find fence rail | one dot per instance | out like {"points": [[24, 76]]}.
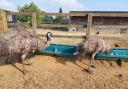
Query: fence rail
{"points": [[59, 25], [89, 17], [82, 36], [111, 26], [19, 13], [71, 14]]}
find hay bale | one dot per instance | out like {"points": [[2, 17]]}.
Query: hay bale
{"points": [[3, 22]]}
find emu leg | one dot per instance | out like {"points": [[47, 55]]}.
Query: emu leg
{"points": [[23, 56], [33, 51], [7, 61], [24, 59], [28, 63], [92, 62]]}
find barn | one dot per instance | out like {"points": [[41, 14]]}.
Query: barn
{"points": [[104, 21], [10, 18]]}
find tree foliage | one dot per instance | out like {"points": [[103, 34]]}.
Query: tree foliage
{"points": [[60, 10], [48, 19], [60, 19], [29, 8]]}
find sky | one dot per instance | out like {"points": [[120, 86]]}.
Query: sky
{"points": [[68, 5]]}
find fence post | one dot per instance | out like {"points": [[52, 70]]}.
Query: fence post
{"points": [[89, 25], [69, 23], [3, 22], [34, 23]]}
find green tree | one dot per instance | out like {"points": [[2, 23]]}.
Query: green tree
{"points": [[48, 19], [60, 10], [60, 19], [29, 8]]}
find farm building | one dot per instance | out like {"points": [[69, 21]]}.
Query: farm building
{"points": [[104, 21], [10, 18]]}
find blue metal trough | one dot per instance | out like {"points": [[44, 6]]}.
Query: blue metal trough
{"points": [[70, 51], [114, 54], [60, 50]]}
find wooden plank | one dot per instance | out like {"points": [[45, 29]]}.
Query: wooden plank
{"points": [[111, 14], [19, 13], [63, 14], [69, 21], [63, 36], [59, 25], [81, 36], [89, 24], [3, 22], [34, 23], [47, 14], [110, 26], [23, 24], [72, 14], [48, 25]]}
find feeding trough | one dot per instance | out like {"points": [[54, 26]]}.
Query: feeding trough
{"points": [[60, 50], [114, 54], [70, 51]]}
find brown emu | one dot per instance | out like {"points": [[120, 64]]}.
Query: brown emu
{"points": [[22, 45], [92, 45], [15, 32]]}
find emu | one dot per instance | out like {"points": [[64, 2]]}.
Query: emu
{"points": [[92, 45], [15, 32], [22, 45]]}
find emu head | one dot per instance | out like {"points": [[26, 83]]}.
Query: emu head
{"points": [[48, 36], [98, 32], [84, 37]]}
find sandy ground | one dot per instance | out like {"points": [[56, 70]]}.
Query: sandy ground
{"points": [[48, 72]]}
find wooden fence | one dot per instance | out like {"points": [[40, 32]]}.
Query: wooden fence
{"points": [[34, 21], [88, 15], [3, 22]]}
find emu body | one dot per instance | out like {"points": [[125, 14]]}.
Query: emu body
{"points": [[13, 33], [92, 45], [21, 43]]}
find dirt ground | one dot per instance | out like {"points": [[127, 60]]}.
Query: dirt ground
{"points": [[48, 72]]}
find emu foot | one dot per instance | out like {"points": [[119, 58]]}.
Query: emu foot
{"points": [[25, 72], [88, 71], [28, 64], [93, 66], [120, 76]]}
